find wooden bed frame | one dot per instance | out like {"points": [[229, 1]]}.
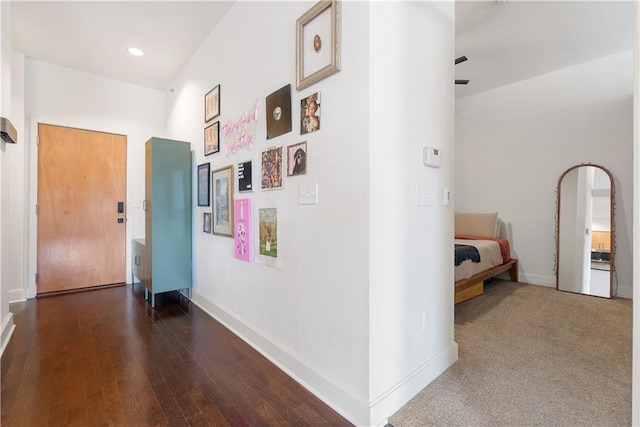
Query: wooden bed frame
{"points": [[474, 285]]}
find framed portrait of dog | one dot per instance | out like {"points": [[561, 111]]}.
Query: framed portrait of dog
{"points": [[297, 159]]}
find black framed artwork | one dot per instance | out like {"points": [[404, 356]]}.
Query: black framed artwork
{"points": [[212, 104], [212, 138], [204, 192], [245, 179]]}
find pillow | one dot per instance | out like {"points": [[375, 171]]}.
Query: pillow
{"points": [[476, 224]]}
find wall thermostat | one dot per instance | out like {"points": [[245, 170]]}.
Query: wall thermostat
{"points": [[432, 157]]}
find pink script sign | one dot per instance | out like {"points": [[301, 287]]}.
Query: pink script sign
{"points": [[242, 224]]}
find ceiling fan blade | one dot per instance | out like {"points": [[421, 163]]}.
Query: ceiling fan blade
{"points": [[461, 59], [462, 82]]}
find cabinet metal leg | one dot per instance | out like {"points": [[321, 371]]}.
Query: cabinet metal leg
{"points": [[146, 294], [153, 300]]}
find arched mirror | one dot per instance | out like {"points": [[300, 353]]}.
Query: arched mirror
{"points": [[585, 231]]}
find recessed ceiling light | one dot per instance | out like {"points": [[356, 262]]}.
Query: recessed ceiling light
{"points": [[135, 51]]}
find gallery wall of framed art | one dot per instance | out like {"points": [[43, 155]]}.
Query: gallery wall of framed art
{"points": [[301, 251], [263, 136]]}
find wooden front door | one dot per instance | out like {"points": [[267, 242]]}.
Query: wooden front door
{"points": [[81, 234]]}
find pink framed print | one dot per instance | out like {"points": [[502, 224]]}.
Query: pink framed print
{"points": [[242, 216]]}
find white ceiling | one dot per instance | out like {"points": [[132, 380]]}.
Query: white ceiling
{"points": [[505, 41], [509, 41], [94, 36]]}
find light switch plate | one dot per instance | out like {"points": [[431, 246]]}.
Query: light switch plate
{"points": [[423, 196], [308, 194]]}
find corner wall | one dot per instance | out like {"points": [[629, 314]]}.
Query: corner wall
{"points": [[16, 193], [514, 142], [344, 316], [6, 318], [311, 316], [411, 256]]}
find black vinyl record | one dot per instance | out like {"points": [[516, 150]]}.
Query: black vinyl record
{"points": [[278, 112]]}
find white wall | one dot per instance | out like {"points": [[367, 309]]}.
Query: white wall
{"points": [[514, 142], [16, 193], [64, 97], [635, 381], [411, 256], [6, 318], [313, 317]]}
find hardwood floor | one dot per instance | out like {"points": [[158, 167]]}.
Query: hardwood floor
{"points": [[104, 357]]}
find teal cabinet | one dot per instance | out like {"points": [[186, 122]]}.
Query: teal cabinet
{"points": [[167, 206]]}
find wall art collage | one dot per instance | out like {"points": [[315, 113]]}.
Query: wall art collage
{"points": [[253, 224]]}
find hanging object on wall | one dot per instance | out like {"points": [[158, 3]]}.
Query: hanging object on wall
{"points": [[7, 132], [318, 43], [272, 169], [279, 112], [297, 159], [212, 104], [242, 132], [245, 176], [268, 249], [310, 113], [242, 227]]}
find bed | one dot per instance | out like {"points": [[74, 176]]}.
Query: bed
{"points": [[482, 250]]}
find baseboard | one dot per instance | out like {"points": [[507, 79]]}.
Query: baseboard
{"points": [[7, 330], [624, 292], [397, 396], [17, 295], [533, 279], [537, 279], [324, 388]]}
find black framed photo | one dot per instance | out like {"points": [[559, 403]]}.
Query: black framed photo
{"points": [[204, 198], [212, 104], [212, 138], [245, 177]]}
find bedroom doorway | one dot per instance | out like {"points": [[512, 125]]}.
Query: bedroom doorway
{"points": [[627, 257], [81, 209]]}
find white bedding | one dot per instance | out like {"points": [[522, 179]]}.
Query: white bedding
{"points": [[490, 256]]}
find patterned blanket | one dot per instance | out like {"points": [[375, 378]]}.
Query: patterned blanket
{"points": [[465, 252]]}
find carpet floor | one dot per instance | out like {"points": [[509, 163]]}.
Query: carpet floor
{"points": [[532, 356]]}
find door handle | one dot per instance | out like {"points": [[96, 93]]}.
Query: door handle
{"points": [[120, 207], [144, 205]]}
